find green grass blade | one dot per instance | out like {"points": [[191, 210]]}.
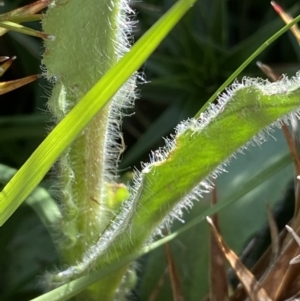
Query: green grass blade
{"points": [[71, 289], [240, 52], [247, 62], [39, 200], [8, 25], [34, 169]]}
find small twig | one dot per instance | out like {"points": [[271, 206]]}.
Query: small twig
{"points": [[173, 274]]}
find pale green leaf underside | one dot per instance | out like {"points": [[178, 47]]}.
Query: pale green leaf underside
{"points": [[32, 172]]}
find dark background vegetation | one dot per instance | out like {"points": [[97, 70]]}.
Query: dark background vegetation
{"points": [[197, 57]]}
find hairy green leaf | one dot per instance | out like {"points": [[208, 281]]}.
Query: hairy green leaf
{"points": [[178, 173]]}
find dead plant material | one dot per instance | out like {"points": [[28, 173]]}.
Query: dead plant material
{"points": [[173, 274], [218, 278], [14, 84], [254, 290]]}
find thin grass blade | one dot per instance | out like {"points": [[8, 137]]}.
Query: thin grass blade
{"points": [[247, 62], [14, 84]]}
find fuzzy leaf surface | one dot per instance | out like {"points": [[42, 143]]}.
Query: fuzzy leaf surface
{"points": [[177, 174], [198, 150], [39, 163]]}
